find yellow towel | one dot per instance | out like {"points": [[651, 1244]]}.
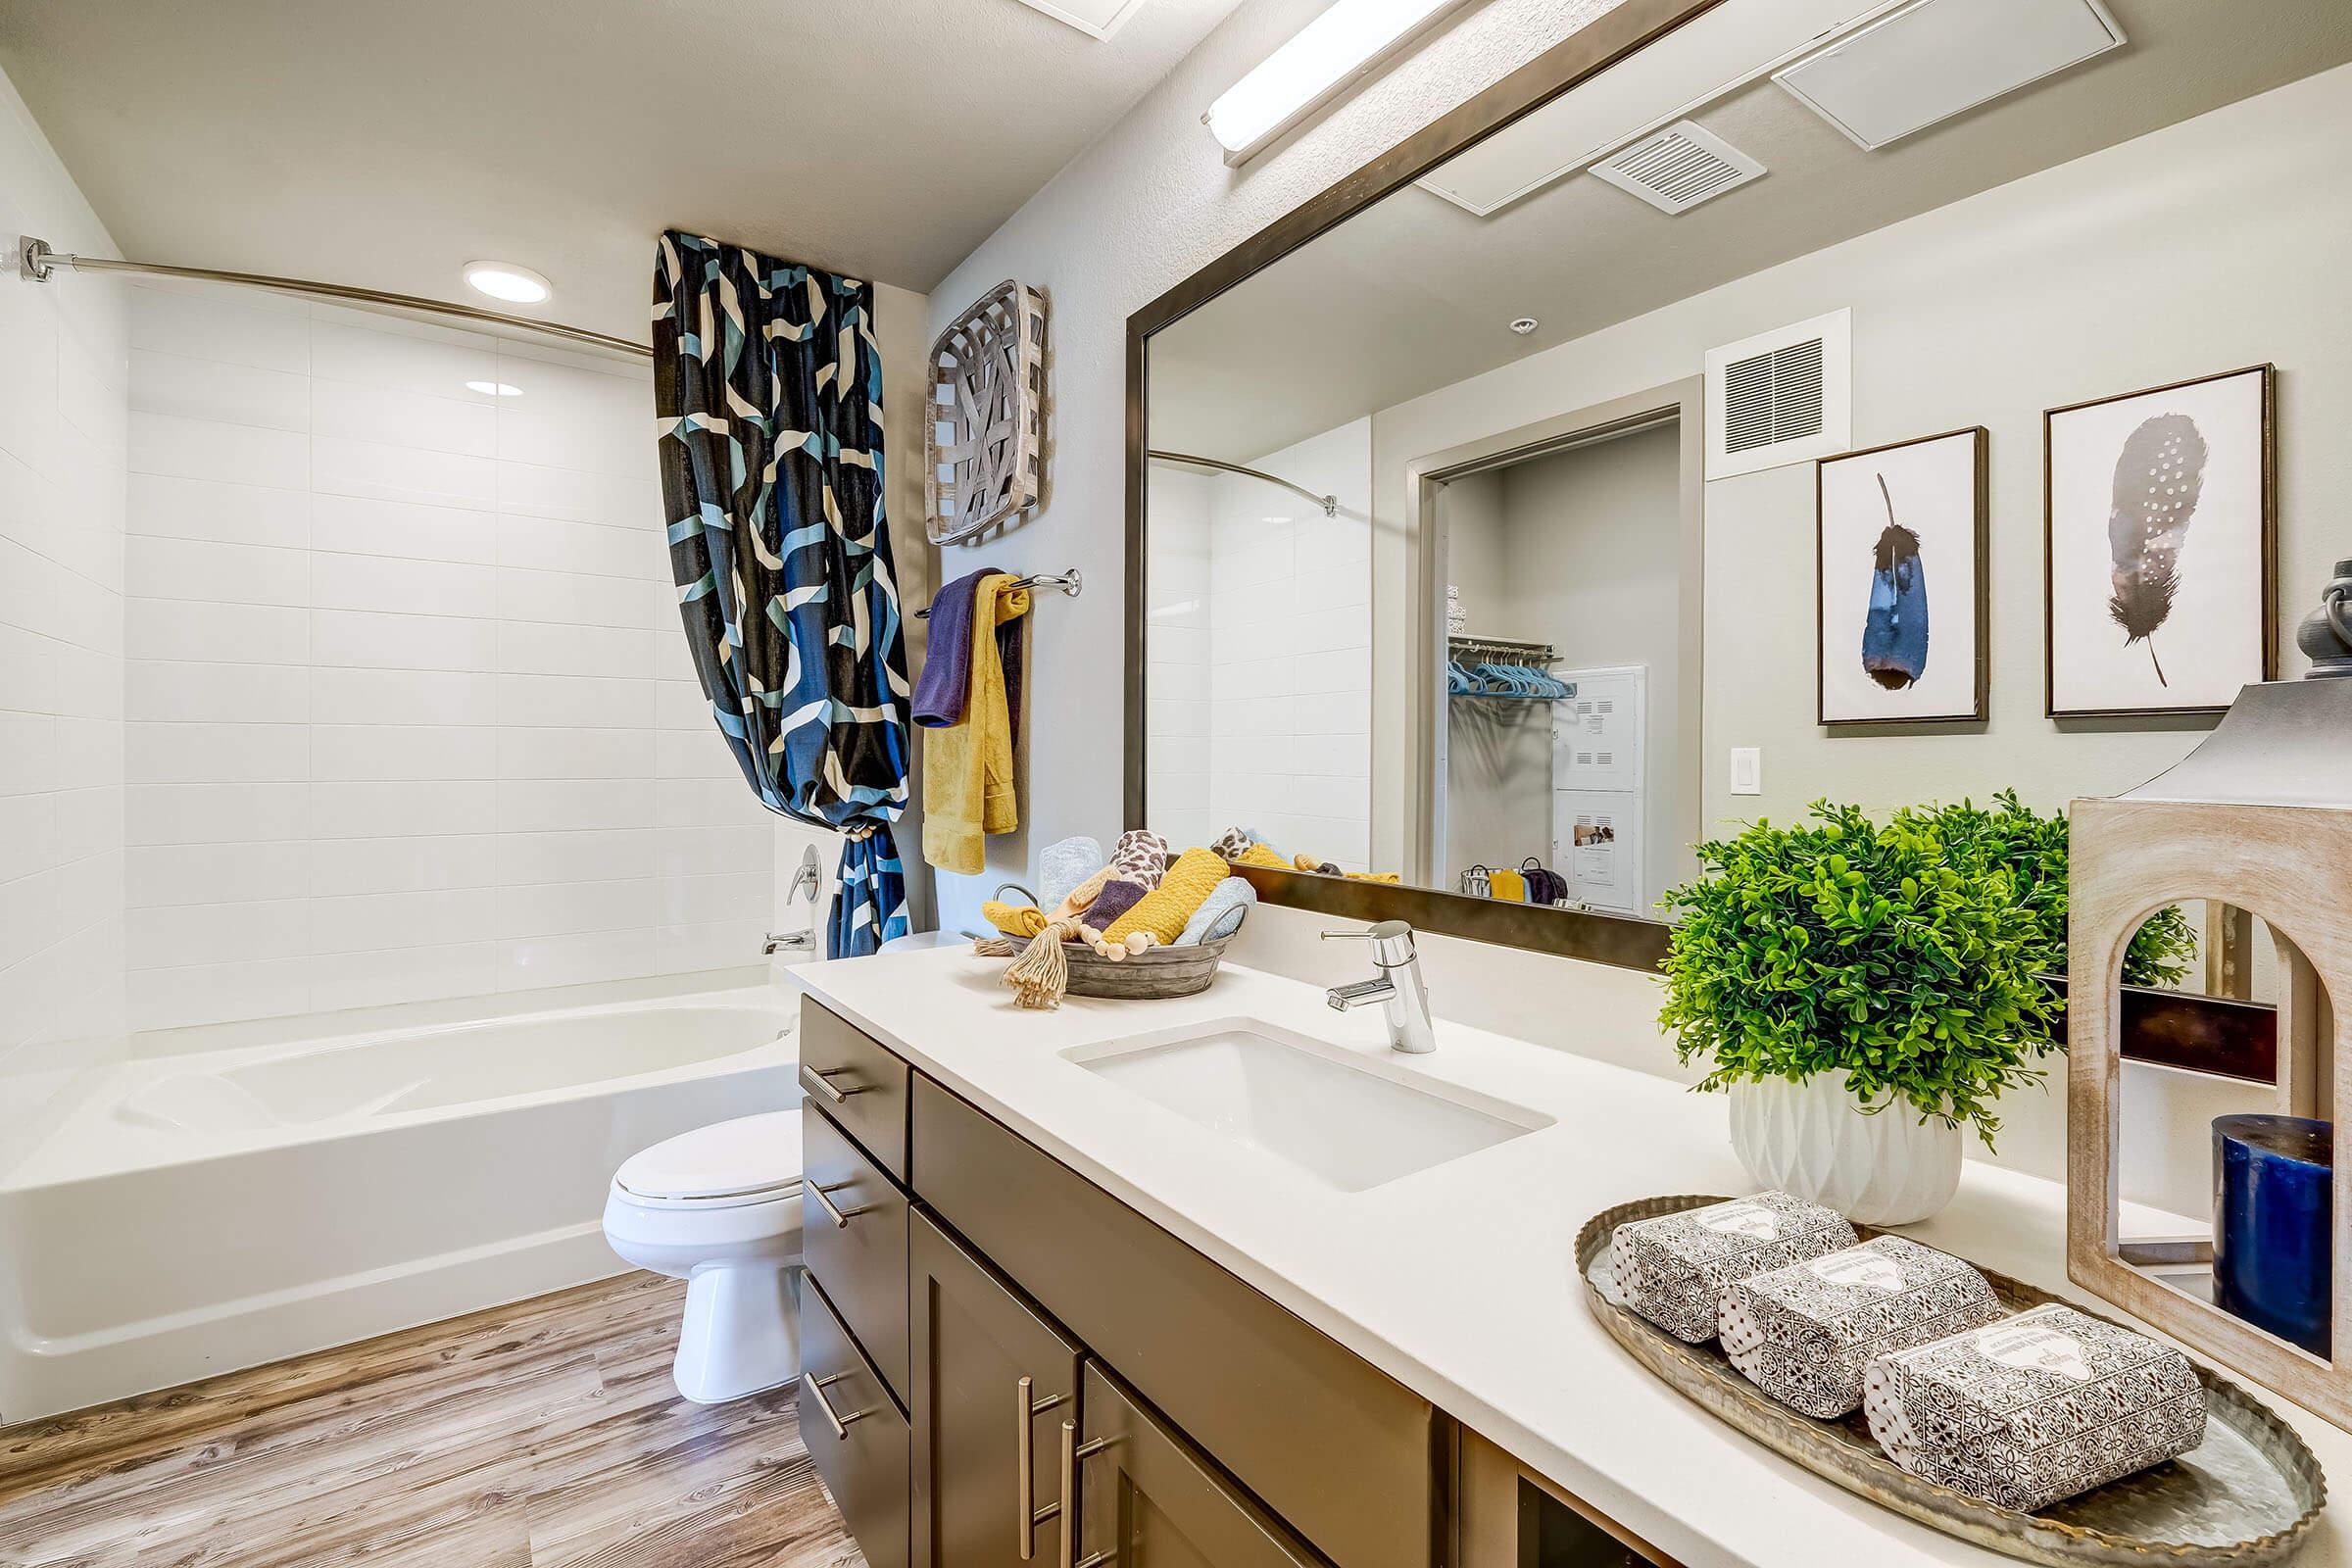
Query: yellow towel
{"points": [[1015, 919], [1163, 911], [1509, 886], [967, 767], [1258, 855]]}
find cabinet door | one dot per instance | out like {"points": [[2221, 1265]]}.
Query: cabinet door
{"points": [[992, 1379], [855, 1437], [1149, 1496]]}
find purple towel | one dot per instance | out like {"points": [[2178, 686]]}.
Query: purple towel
{"points": [[946, 682]]}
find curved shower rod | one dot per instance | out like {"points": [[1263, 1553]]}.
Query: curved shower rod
{"points": [[35, 262], [1329, 503]]}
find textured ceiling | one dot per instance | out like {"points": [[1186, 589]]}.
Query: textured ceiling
{"points": [[1415, 293], [387, 142]]}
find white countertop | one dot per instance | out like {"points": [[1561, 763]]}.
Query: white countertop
{"points": [[1460, 1281]]}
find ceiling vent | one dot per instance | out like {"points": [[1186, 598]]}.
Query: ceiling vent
{"points": [[1783, 397], [1936, 59], [1679, 168]]}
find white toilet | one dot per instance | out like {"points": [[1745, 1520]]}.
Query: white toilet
{"points": [[719, 1207]]}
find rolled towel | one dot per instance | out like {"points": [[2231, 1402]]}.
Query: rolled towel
{"points": [[1140, 856], [1118, 896], [1164, 910], [1063, 867], [1015, 919], [1230, 898], [1233, 843], [1259, 854], [1074, 904]]}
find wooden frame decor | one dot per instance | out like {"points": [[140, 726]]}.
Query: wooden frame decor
{"points": [[2160, 581], [2260, 818], [983, 447], [1901, 593]]}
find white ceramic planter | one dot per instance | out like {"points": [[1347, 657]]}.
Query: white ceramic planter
{"points": [[1813, 1140]]}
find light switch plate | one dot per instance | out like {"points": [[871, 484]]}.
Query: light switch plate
{"points": [[1747, 770]]}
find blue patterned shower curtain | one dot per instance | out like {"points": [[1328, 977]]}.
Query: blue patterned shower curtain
{"points": [[768, 392]]}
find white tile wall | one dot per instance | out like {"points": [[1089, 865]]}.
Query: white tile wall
{"points": [[410, 714], [62, 407]]}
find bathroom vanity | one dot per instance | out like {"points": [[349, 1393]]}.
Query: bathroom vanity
{"points": [[1225, 1280]]}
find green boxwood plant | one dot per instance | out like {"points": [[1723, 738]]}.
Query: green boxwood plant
{"points": [[1907, 953]]}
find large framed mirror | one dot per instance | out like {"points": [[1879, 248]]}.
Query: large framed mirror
{"points": [[1728, 412]]}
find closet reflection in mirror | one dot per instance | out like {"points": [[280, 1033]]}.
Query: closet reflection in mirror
{"points": [[1479, 540]]}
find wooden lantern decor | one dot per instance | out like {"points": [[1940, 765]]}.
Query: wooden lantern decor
{"points": [[2259, 816], [983, 447]]}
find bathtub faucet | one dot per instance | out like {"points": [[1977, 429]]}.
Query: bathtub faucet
{"points": [[790, 942]]}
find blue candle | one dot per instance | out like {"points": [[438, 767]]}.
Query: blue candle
{"points": [[2274, 1217]]}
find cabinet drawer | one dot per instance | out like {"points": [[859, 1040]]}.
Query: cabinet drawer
{"points": [[1146, 1496], [1340, 1450], [861, 1085], [855, 1437], [853, 1240]]}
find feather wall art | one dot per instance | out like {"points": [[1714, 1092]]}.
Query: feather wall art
{"points": [[1894, 630], [1872, 552], [2161, 593], [2157, 478]]}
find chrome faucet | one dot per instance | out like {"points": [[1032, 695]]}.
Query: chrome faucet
{"points": [[790, 942], [1399, 986]]}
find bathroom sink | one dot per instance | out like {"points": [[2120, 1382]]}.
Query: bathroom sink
{"points": [[1352, 1122]]}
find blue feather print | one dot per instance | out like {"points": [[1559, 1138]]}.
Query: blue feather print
{"points": [[1894, 633]]}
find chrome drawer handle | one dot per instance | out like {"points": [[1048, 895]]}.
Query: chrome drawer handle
{"points": [[839, 1423], [816, 1078], [1024, 1462], [1074, 1454], [840, 1218]]}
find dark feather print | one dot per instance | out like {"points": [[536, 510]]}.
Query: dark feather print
{"points": [[1894, 632], [2157, 478]]}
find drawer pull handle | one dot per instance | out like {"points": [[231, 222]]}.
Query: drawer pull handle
{"points": [[838, 1422], [840, 1218], [1024, 1455], [1074, 1454], [820, 1079]]}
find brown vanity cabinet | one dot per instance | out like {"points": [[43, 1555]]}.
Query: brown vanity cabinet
{"points": [[1147, 1495], [855, 1436], [994, 1379]]}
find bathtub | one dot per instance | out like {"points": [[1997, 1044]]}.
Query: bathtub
{"points": [[199, 1210]]}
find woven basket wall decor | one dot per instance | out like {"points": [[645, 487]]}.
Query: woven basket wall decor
{"points": [[982, 457]]}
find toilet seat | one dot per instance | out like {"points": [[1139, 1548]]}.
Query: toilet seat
{"points": [[751, 1159]]}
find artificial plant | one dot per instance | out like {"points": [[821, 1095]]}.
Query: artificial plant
{"points": [[1909, 954]]}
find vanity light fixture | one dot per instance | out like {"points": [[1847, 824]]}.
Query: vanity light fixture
{"points": [[1347, 41], [508, 280], [495, 389]]}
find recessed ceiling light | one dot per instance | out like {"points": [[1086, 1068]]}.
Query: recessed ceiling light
{"points": [[494, 389], [1525, 324], [506, 281]]}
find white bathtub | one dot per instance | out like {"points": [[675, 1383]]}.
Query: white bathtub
{"points": [[198, 1211]]}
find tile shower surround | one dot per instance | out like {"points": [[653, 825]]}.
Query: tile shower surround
{"points": [[408, 712]]}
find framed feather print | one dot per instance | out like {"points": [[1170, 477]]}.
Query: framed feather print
{"points": [[2161, 569], [1900, 541]]}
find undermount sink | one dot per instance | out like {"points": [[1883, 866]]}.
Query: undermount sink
{"points": [[1349, 1122]]}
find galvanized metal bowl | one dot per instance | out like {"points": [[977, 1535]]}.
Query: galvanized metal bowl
{"points": [[1152, 973]]}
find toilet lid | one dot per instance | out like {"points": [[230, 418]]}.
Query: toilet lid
{"points": [[725, 1159]]}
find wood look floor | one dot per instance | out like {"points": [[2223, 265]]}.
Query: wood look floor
{"points": [[542, 1434]]}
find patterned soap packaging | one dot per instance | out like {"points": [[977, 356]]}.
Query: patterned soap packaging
{"points": [[1804, 1333], [1672, 1268], [2035, 1409]]}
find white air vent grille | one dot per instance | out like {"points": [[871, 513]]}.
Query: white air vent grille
{"points": [[1783, 397], [1679, 168], [1770, 398]]}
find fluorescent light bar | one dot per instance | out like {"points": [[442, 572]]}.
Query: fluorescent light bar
{"points": [[1345, 42]]}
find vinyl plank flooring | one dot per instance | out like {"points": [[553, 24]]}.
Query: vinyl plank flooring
{"points": [[541, 1435]]}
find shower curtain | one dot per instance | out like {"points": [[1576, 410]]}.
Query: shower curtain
{"points": [[767, 395]]}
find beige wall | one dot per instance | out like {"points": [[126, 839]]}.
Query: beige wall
{"points": [[1144, 208], [2203, 247]]}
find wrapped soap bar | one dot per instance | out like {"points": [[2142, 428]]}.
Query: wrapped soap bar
{"points": [[2035, 1409], [1804, 1333], [1672, 1268]]}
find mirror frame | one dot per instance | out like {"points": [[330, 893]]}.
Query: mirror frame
{"points": [[1623, 941]]}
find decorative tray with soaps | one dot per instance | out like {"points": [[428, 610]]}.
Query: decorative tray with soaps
{"points": [[2246, 1495]]}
